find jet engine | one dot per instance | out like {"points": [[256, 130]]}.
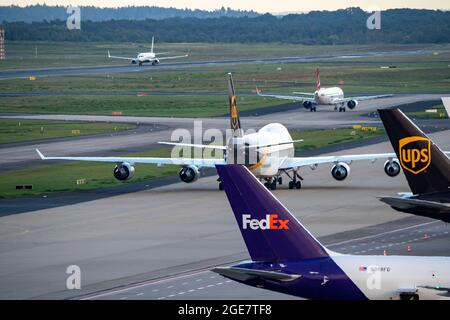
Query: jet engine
{"points": [[352, 104], [340, 171], [123, 171], [189, 174], [392, 168], [307, 104]]}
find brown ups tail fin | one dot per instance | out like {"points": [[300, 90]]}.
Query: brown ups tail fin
{"points": [[235, 122], [426, 167]]}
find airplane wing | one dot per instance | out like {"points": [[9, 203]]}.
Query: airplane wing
{"points": [[289, 163], [294, 98], [201, 163], [362, 98], [173, 57], [193, 145], [123, 58]]}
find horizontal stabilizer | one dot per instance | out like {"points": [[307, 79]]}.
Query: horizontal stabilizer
{"points": [[193, 145], [405, 203], [304, 93], [274, 144], [441, 291], [243, 274]]}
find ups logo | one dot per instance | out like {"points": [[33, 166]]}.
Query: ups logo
{"points": [[234, 121], [415, 153]]}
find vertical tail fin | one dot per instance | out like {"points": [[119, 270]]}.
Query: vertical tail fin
{"points": [[235, 122], [317, 79], [270, 231], [426, 167], [446, 102], [151, 49]]}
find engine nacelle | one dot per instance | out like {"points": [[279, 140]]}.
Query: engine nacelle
{"points": [[134, 61], [340, 171], [123, 171], [392, 168], [307, 104], [352, 104], [189, 174]]}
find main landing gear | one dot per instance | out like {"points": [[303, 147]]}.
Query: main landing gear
{"points": [[294, 183], [271, 183], [341, 108]]}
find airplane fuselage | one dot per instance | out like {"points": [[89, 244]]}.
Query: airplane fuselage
{"points": [[353, 277], [146, 57], [263, 151], [328, 96]]}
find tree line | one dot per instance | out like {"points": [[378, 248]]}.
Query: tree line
{"points": [[39, 13], [347, 26]]}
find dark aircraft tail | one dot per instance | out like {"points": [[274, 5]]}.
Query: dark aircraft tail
{"points": [[425, 165], [234, 114], [270, 231]]}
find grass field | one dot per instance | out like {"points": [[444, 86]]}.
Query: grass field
{"points": [[62, 177], [96, 94], [164, 106], [50, 178], [322, 138], [423, 75], [440, 114], [23, 54], [13, 130]]}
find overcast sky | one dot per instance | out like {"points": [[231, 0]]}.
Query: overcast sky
{"points": [[256, 5]]}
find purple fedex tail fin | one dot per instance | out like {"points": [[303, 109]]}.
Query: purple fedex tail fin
{"points": [[270, 231]]}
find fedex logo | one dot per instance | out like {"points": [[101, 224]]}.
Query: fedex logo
{"points": [[271, 222]]}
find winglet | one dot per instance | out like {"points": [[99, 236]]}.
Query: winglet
{"points": [[109, 55], [258, 91], [40, 154]]}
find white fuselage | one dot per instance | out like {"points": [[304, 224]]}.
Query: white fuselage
{"points": [[146, 57], [267, 161], [326, 96], [385, 277]]}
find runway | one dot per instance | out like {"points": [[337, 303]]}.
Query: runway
{"points": [[176, 66], [163, 237], [17, 156]]}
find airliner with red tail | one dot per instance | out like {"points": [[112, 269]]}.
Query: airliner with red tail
{"points": [[324, 96]]}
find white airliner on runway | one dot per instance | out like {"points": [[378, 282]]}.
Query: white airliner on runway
{"points": [[324, 96], [268, 153], [147, 57]]}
